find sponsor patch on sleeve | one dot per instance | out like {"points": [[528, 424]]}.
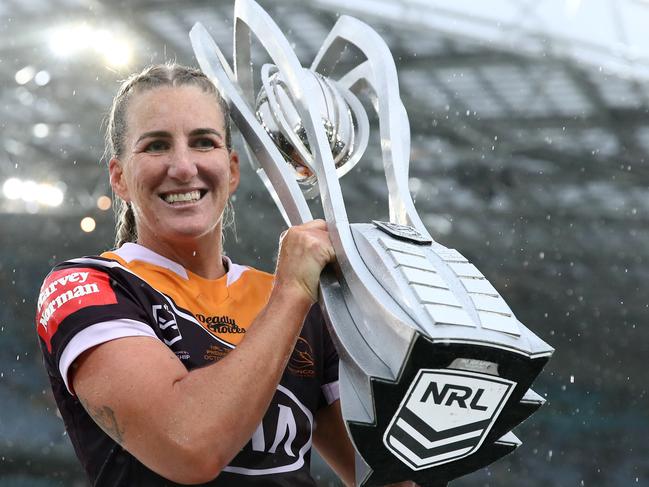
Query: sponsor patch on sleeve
{"points": [[67, 291]]}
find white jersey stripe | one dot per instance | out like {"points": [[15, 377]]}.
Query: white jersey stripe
{"points": [[96, 335], [331, 391]]}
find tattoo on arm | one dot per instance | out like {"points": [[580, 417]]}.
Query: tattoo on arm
{"points": [[105, 417]]}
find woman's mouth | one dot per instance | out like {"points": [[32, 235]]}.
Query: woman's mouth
{"points": [[187, 197]]}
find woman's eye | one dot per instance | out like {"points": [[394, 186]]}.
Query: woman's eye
{"points": [[204, 143], [157, 146]]}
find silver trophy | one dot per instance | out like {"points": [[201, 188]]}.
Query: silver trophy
{"points": [[435, 369]]}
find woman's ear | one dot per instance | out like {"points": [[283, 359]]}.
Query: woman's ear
{"points": [[117, 179], [235, 173]]}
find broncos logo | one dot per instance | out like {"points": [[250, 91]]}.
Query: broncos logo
{"points": [[301, 362]]}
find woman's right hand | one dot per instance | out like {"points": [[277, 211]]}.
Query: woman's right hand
{"points": [[304, 251]]}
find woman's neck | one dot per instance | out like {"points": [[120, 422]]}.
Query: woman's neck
{"points": [[202, 256]]}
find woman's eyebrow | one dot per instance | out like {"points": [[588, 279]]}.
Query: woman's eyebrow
{"points": [[205, 131], [165, 134], [153, 133]]}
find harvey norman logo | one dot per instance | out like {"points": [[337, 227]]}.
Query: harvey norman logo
{"points": [[65, 295], [65, 292], [445, 415]]}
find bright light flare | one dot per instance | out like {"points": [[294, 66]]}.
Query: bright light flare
{"points": [[12, 188], [67, 41], [71, 40], [88, 224], [25, 75], [49, 195], [41, 130], [45, 194], [29, 191], [42, 78], [104, 203], [119, 54]]}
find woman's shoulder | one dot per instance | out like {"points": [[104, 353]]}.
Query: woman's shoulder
{"points": [[100, 261], [90, 270]]}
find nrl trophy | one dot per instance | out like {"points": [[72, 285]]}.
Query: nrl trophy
{"points": [[435, 369]]}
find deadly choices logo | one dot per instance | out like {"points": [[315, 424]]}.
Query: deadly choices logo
{"points": [[445, 415]]}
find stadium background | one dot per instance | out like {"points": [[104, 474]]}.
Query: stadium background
{"points": [[530, 146]]}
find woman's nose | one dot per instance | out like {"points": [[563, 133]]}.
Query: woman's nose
{"points": [[182, 167]]}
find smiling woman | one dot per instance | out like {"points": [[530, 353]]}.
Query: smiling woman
{"points": [[176, 172], [167, 360], [117, 133]]}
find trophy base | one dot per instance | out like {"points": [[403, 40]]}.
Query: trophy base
{"points": [[438, 422]]}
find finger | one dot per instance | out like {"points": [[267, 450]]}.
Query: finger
{"points": [[315, 224]]}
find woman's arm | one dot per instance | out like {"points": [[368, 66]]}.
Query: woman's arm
{"points": [[332, 442], [187, 426]]}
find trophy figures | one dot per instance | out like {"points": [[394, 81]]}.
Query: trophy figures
{"points": [[435, 369]]}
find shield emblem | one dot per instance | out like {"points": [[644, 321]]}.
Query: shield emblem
{"points": [[445, 415], [167, 323]]}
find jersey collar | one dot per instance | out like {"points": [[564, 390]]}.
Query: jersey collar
{"points": [[132, 251]]}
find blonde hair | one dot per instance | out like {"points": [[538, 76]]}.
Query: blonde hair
{"points": [[155, 76]]}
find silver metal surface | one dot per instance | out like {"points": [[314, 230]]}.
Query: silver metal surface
{"points": [[435, 368], [343, 118]]}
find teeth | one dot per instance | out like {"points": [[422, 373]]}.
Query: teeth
{"points": [[176, 197]]}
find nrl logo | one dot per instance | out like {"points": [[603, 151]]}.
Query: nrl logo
{"points": [[445, 415], [167, 323]]}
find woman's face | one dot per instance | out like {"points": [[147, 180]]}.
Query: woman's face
{"points": [[175, 168]]}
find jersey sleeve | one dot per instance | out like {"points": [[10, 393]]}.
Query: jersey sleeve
{"points": [[81, 307]]}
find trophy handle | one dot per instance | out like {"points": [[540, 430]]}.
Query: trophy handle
{"points": [[378, 73], [278, 178]]}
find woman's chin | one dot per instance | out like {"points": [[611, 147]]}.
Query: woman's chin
{"points": [[182, 234], [178, 231]]}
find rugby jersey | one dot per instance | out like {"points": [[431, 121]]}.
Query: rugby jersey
{"points": [[135, 292]]}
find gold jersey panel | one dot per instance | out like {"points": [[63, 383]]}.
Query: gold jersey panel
{"points": [[226, 311]]}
